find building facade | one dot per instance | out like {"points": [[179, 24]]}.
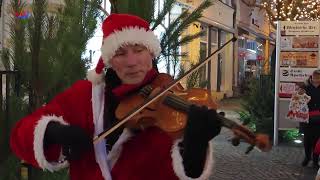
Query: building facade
{"points": [[256, 41], [218, 24]]}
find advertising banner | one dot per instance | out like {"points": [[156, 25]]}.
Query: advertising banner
{"points": [[305, 28], [299, 59], [295, 74], [299, 43], [287, 89]]}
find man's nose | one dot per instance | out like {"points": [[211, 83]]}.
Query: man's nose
{"points": [[132, 58]]}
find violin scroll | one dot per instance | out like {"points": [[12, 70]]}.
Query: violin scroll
{"points": [[261, 141]]}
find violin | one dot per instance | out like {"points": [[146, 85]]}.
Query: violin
{"points": [[169, 112], [164, 103]]}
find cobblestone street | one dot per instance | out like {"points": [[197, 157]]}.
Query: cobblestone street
{"points": [[281, 163]]}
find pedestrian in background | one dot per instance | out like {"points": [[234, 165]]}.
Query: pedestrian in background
{"points": [[311, 130], [317, 151], [318, 175]]}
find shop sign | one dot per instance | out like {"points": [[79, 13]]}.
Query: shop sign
{"points": [[295, 74], [297, 56], [286, 89], [299, 43], [299, 28], [299, 59]]}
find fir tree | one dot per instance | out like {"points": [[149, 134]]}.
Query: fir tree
{"points": [[46, 49]]}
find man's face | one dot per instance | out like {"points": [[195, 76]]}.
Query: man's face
{"points": [[316, 79], [131, 63]]}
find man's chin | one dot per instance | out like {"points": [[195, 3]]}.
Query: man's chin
{"points": [[133, 81]]}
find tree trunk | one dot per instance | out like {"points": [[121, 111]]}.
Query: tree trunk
{"points": [[39, 13]]}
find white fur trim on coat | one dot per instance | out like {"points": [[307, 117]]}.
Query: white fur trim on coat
{"points": [[100, 147], [132, 35], [95, 78], [116, 150], [179, 168], [39, 132]]}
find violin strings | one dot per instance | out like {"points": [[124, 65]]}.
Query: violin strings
{"points": [[171, 99], [177, 102]]}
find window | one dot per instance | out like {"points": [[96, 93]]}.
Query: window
{"points": [[203, 69], [214, 34]]}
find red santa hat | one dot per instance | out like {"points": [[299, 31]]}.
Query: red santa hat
{"points": [[120, 30]]}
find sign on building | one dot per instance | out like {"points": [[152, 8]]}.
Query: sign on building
{"points": [[297, 57]]}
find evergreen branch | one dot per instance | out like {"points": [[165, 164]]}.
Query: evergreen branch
{"points": [[172, 26], [184, 54], [166, 9], [103, 10], [194, 16], [187, 39]]}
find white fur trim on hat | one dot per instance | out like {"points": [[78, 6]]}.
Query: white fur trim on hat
{"points": [[39, 132], [177, 163], [132, 35]]}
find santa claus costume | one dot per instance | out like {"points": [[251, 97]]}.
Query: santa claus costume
{"points": [[150, 154]]}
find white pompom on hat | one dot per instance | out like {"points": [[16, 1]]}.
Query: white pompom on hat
{"points": [[120, 30]]}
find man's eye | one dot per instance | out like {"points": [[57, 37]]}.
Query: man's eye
{"points": [[139, 49], [119, 54]]}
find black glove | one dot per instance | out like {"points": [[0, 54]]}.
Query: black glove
{"points": [[73, 139], [202, 126]]}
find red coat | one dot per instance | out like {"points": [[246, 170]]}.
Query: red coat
{"points": [[150, 154]]}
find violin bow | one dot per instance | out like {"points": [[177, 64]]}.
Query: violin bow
{"points": [[150, 100]]}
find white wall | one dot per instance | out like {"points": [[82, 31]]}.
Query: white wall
{"points": [[219, 12], [253, 19]]}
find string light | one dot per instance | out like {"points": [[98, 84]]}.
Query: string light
{"points": [[292, 9]]}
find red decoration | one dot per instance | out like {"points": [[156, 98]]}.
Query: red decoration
{"points": [[242, 54]]}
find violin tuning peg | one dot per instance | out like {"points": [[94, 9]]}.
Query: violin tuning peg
{"points": [[249, 149], [221, 113], [235, 141]]}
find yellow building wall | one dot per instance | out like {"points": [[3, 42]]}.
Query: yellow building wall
{"points": [[193, 48], [227, 68]]}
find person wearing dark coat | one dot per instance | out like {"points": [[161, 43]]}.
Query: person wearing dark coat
{"points": [[311, 130]]}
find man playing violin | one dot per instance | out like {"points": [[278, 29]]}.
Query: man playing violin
{"points": [[60, 133]]}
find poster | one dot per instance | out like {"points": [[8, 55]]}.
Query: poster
{"points": [[298, 107], [295, 74], [306, 28], [299, 59], [287, 89], [299, 43]]}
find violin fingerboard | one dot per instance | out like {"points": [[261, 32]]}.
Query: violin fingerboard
{"points": [[177, 102]]}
